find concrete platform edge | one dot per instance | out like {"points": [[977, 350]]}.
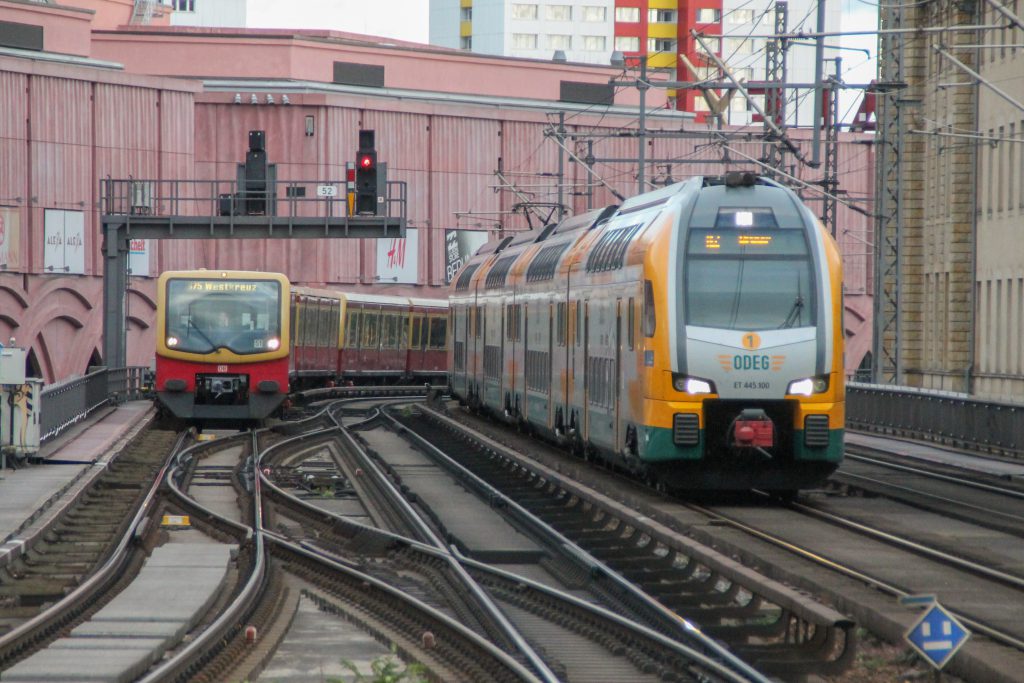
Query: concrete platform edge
{"points": [[40, 520]]}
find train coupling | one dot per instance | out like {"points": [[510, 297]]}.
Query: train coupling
{"points": [[753, 429]]}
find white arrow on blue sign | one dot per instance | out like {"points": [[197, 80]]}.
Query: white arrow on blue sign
{"points": [[937, 635]]}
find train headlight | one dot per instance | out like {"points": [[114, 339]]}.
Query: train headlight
{"points": [[273, 343], [692, 385], [808, 386], [172, 341]]}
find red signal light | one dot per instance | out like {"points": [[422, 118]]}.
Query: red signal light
{"points": [[366, 161]]}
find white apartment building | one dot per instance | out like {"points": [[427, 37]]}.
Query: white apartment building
{"points": [[581, 30]]}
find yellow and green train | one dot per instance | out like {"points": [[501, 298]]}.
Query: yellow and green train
{"points": [[692, 335]]}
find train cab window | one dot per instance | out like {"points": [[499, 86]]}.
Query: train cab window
{"points": [[749, 279], [437, 332], [243, 316]]}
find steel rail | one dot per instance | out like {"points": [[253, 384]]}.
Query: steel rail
{"points": [[497, 617], [1010, 517], [391, 538], [898, 541], [71, 605], [337, 564], [867, 579], [180, 662], [990, 488], [729, 665]]}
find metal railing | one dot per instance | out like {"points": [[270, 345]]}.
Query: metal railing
{"points": [[66, 403], [947, 418], [281, 198]]}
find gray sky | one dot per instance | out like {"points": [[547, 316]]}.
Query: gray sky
{"points": [[400, 19]]}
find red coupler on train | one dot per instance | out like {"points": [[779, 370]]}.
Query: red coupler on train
{"points": [[752, 429]]}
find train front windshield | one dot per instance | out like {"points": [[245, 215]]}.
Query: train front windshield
{"points": [[747, 274], [243, 316]]}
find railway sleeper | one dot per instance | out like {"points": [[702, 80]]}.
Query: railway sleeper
{"points": [[829, 650], [599, 539], [767, 626], [653, 578], [639, 558]]}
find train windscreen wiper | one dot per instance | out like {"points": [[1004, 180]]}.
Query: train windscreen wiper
{"points": [[203, 334]]}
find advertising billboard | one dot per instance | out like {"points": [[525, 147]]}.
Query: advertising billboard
{"points": [[459, 245]]}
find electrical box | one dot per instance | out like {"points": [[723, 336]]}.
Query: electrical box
{"points": [[20, 416], [12, 365]]}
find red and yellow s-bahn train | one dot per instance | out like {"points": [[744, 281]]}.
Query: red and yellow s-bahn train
{"points": [[232, 344]]}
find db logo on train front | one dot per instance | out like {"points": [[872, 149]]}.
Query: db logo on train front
{"points": [[222, 368]]}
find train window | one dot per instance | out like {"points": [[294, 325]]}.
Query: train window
{"points": [[323, 329], [352, 328], [513, 322], [404, 334], [437, 332], [320, 324], [650, 321], [293, 319], [370, 322], [631, 324], [579, 323], [417, 326], [545, 262], [478, 320], [335, 324], [303, 322], [496, 276], [395, 330], [560, 323], [610, 251]]}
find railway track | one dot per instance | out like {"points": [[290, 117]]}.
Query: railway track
{"points": [[842, 566], [985, 500], [615, 648], [86, 555], [777, 630]]}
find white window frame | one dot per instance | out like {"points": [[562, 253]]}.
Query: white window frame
{"points": [[627, 15], [522, 11], [550, 11]]}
